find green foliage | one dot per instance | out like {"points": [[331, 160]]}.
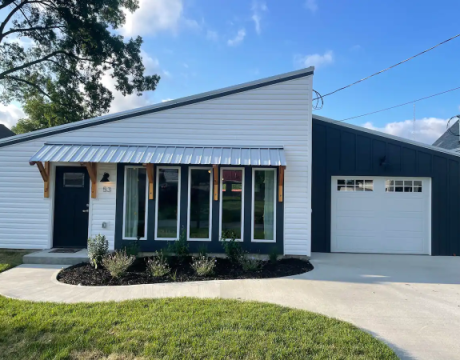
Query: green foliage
{"points": [[180, 247], [180, 328], [249, 263], [158, 265], [273, 255], [98, 248], [203, 265], [118, 263], [232, 248], [174, 276], [53, 56], [203, 250]]}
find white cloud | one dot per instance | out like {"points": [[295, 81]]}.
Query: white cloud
{"points": [[316, 60], [425, 130], [258, 8], [238, 38], [212, 35], [311, 5], [10, 114], [166, 100], [154, 16]]}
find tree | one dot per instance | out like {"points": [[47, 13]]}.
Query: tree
{"points": [[53, 54]]}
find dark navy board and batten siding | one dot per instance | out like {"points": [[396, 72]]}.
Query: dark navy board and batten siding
{"points": [[343, 151], [214, 246]]}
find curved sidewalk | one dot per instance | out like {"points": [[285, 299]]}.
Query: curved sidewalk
{"points": [[410, 302]]}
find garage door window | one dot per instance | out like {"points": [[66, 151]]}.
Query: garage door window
{"points": [[355, 185], [403, 185]]}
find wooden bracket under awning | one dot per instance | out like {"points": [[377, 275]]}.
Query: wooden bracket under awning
{"points": [[150, 171], [92, 171], [45, 173], [281, 183], [215, 171]]}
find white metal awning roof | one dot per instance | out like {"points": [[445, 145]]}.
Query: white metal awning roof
{"points": [[161, 154]]}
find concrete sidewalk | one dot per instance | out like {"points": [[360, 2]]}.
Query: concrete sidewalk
{"points": [[410, 302]]}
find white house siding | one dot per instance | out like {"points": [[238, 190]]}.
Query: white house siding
{"points": [[275, 115]]}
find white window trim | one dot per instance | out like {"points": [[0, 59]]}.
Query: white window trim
{"points": [[189, 202], [124, 203], [242, 201], [253, 206], [157, 176]]}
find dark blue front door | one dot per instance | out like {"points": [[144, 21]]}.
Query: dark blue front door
{"points": [[71, 206]]}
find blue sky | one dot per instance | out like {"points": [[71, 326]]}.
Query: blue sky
{"points": [[198, 46]]}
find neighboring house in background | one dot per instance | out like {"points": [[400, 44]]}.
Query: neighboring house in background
{"points": [[250, 158], [5, 132], [450, 140]]}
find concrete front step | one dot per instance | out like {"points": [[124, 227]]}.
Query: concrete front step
{"points": [[47, 257]]}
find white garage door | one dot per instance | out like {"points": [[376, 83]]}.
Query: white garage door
{"points": [[381, 215]]}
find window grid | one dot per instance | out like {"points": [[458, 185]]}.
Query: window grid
{"points": [[403, 185], [355, 185]]}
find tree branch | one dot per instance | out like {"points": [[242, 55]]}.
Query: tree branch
{"points": [[6, 4], [35, 86], [10, 15], [32, 29]]}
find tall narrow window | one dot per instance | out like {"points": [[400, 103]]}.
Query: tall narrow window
{"points": [[263, 205], [231, 201], [167, 203], [134, 224], [199, 215]]}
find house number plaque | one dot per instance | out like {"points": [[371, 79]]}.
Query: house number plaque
{"points": [[106, 189]]}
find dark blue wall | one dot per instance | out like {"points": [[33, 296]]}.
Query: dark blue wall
{"points": [[215, 244], [339, 150]]}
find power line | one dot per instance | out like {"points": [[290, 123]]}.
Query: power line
{"points": [[391, 67], [406, 103]]}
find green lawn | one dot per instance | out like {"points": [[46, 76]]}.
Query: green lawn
{"points": [[11, 258], [177, 329]]}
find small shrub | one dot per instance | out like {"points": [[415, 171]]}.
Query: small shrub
{"points": [[174, 276], [98, 248], [118, 262], [250, 263], [180, 247], [158, 266], [203, 265], [232, 248], [273, 255], [203, 251]]}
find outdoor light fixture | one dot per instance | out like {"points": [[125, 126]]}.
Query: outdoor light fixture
{"points": [[105, 177]]}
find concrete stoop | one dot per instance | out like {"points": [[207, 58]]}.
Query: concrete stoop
{"points": [[53, 258]]}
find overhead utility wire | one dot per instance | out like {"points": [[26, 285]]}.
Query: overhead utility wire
{"points": [[391, 67], [406, 103]]}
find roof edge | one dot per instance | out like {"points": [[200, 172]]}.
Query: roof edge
{"points": [[209, 95], [384, 135]]}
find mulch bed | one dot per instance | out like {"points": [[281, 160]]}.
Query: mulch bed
{"points": [[85, 274]]}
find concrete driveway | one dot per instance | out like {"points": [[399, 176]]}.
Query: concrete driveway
{"points": [[410, 302]]}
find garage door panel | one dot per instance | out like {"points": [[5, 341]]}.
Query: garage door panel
{"points": [[354, 224], [406, 224], [384, 220], [357, 203], [362, 244], [356, 213], [404, 204]]}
